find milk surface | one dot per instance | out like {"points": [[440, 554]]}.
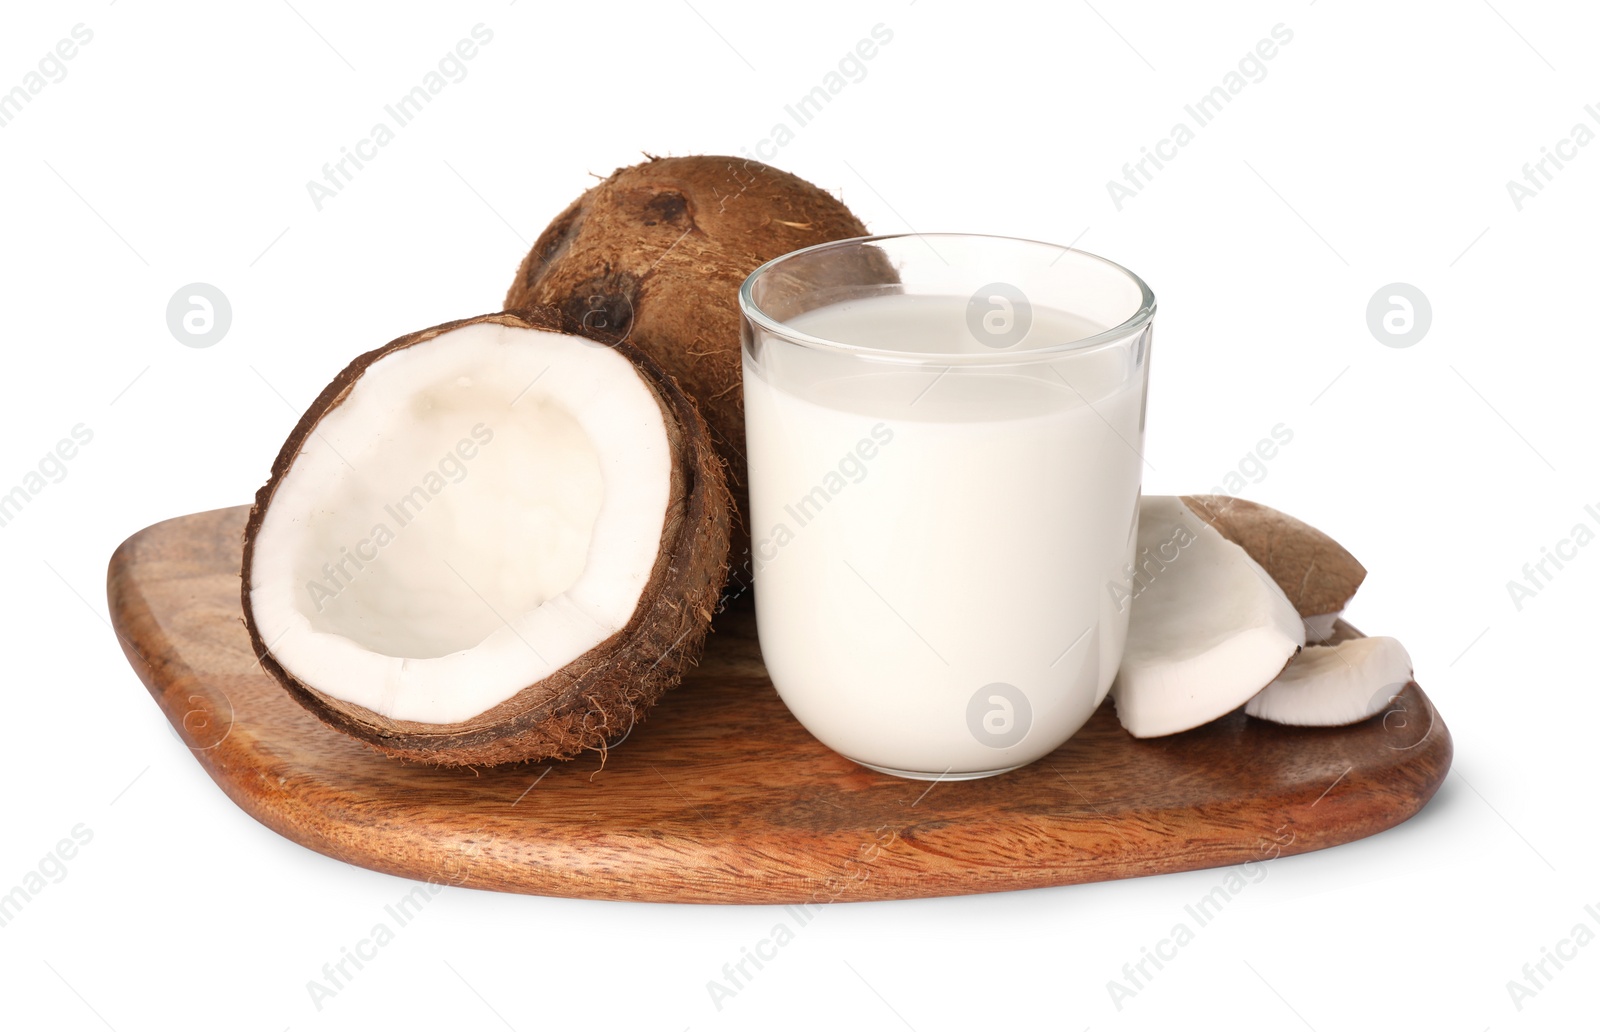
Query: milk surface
{"points": [[934, 543]]}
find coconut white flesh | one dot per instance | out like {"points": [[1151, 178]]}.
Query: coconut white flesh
{"points": [[1333, 685], [479, 511], [1320, 628], [1208, 630]]}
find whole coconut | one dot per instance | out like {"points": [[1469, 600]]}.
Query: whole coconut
{"points": [[656, 254]]}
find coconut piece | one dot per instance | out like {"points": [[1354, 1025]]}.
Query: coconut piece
{"points": [[1320, 628], [486, 542], [1207, 630], [1314, 571], [656, 254], [1333, 685]]}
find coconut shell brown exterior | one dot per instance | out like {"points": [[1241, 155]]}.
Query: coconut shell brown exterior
{"points": [[655, 255], [1314, 570], [601, 695]]}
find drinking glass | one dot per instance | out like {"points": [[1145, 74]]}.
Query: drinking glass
{"points": [[944, 436]]}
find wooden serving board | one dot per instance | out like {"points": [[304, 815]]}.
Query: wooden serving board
{"points": [[721, 797]]}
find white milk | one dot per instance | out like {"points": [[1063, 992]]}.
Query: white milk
{"points": [[934, 550]]}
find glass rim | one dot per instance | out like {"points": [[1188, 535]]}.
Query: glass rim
{"points": [[1130, 326]]}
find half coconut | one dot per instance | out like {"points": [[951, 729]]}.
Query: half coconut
{"points": [[486, 542]]}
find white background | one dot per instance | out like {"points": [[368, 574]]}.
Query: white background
{"points": [[1376, 149]]}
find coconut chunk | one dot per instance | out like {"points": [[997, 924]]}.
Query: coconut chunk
{"points": [[1333, 685], [1319, 628], [1315, 571], [1208, 628]]}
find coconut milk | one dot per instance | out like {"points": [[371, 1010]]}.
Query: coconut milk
{"points": [[934, 544]]}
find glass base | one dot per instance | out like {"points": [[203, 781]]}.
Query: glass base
{"points": [[949, 775]]}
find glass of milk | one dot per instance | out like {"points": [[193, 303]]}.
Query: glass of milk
{"points": [[945, 437]]}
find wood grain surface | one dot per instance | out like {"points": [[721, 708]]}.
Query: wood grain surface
{"points": [[721, 797]]}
